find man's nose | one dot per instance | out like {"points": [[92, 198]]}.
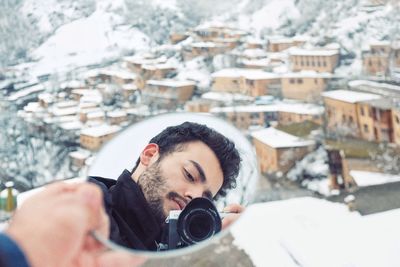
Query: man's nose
{"points": [[194, 192]]}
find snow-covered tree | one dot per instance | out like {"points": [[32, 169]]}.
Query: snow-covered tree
{"points": [[388, 160], [27, 155], [15, 33]]}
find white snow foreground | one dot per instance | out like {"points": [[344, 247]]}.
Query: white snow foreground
{"points": [[313, 232]]}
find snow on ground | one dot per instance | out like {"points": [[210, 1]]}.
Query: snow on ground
{"points": [[312, 232], [364, 178]]}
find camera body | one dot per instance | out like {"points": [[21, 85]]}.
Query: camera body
{"points": [[198, 221]]}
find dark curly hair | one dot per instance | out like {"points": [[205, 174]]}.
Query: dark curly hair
{"points": [[174, 138]]}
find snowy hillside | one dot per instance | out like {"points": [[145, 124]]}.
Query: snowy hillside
{"points": [[70, 32], [268, 17], [48, 15], [87, 41], [83, 38], [63, 34]]}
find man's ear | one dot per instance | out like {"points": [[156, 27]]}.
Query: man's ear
{"points": [[149, 154]]}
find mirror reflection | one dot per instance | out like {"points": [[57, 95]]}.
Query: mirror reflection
{"points": [[173, 189]]}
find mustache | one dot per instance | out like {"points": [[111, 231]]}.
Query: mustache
{"points": [[173, 195]]}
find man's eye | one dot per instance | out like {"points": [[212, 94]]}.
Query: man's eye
{"points": [[189, 176]]}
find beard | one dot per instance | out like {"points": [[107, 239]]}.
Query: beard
{"points": [[154, 188]]}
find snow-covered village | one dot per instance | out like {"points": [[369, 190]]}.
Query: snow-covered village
{"points": [[314, 87]]}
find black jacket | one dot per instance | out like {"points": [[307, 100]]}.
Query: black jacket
{"points": [[131, 222]]}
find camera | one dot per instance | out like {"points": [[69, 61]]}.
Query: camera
{"points": [[198, 221]]}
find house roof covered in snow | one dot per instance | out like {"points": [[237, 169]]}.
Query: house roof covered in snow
{"points": [[226, 97], [372, 84], [279, 139], [246, 73], [350, 96], [100, 130], [307, 74], [382, 103], [79, 154], [295, 51], [116, 113], [297, 108], [170, 83]]}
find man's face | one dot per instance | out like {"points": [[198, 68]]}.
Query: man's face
{"points": [[171, 183]]}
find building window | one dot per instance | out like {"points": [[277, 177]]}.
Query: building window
{"points": [[250, 82], [300, 81], [351, 119], [397, 119], [344, 118], [316, 81], [324, 63], [292, 81], [366, 128], [362, 111], [375, 114]]}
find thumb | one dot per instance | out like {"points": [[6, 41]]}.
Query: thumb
{"points": [[92, 198]]}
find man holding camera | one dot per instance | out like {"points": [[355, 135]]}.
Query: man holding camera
{"points": [[179, 164]]}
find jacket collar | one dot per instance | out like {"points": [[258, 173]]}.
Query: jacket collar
{"points": [[128, 200]]}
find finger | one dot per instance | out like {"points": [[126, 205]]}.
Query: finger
{"points": [[104, 227], [56, 188], [118, 258], [92, 198], [235, 208], [85, 203], [228, 220], [49, 191], [92, 245]]}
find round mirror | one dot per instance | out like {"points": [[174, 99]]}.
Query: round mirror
{"points": [[174, 183]]}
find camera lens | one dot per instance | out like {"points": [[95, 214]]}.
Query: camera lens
{"points": [[198, 221], [200, 226]]}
